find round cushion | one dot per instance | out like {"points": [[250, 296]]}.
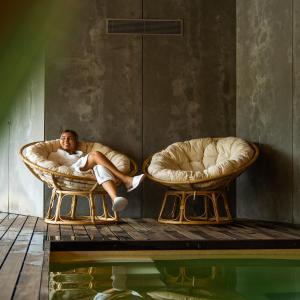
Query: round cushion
{"points": [[200, 159], [38, 153]]}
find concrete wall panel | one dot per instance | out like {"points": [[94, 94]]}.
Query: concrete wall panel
{"points": [[139, 94], [296, 112], [189, 80], [264, 107], [4, 160], [94, 83], [27, 125]]}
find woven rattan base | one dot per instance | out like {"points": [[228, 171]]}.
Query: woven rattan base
{"points": [[215, 209], [71, 218]]}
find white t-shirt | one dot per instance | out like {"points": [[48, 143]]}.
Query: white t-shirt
{"points": [[64, 158], [76, 161]]}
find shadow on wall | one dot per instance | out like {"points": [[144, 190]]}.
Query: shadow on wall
{"points": [[264, 192]]}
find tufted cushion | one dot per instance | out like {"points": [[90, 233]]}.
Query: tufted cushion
{"points": [[39, 152], [200, 159]]}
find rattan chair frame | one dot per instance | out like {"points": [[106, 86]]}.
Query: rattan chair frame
{"points": [[59, 193], [177, 213]]}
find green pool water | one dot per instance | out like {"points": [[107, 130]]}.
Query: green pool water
{"points": [[181, 278]]}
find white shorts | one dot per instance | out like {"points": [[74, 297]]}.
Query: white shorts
{"points": [[102, 174]]}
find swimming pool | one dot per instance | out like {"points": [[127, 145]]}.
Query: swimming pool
{"points": [[179, 275]]}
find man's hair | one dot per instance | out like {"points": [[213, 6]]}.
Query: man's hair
{"points": [[73, 132]]}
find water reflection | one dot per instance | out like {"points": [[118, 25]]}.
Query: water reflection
{"points": [[177, 280]]}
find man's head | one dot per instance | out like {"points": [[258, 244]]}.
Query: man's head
{"points": [[69, 140]]}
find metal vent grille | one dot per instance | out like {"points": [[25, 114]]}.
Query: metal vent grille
{"points": [[144, 26]]}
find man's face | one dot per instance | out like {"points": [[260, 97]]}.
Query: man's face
{"points": [[68, 142]]}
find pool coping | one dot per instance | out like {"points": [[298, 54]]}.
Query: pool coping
{"points": [[172, 245]]}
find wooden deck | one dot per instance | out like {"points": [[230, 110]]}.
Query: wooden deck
{"points": [[25, 244]]}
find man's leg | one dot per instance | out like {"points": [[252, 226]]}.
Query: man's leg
{"points": [[97, 158], [108, 181], [110, 188]]}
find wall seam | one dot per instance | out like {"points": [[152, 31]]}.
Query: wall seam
{"points": [[292, 117], [44, 129], [142, 104], [8, 173]]}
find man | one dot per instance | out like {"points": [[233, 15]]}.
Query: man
{"points": [[104, 170]]}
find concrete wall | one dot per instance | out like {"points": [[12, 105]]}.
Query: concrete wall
{"points": [[296, 111], [22, 193], [189, 81], [139, 94], [268, 110]]}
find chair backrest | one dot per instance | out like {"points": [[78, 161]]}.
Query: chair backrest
{"points": [[201, 163], [35, 156]]}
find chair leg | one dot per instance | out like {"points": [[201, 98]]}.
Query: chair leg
{"points": [[163, 206], [73, 206], [215, 207], [224, 195], [58, 206], [92, 207], [184, 198], [104, 206], [51, 203]]}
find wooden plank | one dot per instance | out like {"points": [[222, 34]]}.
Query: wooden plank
{"points": [[233, 232], [41, 226], [53, 232], [9, 238], [175, 234], [136, 235], [156, 230], [106, 232], [80, 233], [186, 231], [148, 223], [13, 263], [136, 224], [284, 228], [3, 216], [268, 230], [14, 228], [44, 287], [93, 233], [120, 233], [67, 233], [6, 223], [28, 286], [4, 250], [208, 232], [38, 238], [250, 233]]}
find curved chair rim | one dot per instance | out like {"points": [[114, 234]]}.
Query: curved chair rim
{"points": [[55, 173], [232, 174]]}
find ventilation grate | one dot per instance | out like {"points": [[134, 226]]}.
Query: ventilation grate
{"points": [[144, 26]]}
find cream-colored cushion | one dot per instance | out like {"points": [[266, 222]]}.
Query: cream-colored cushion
{"points": [[200, 159], [39, 152]]}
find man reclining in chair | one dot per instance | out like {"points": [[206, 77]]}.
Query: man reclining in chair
{"points": [[104, 170]]}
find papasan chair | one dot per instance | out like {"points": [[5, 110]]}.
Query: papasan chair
{"points": [[66, 182], [200, 167]]}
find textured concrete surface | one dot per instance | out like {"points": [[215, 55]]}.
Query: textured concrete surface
{"points": [[94, 82], [296, 113], [265, 107], [23, 190], [4, 156], [141, 94], [188, 81]]}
